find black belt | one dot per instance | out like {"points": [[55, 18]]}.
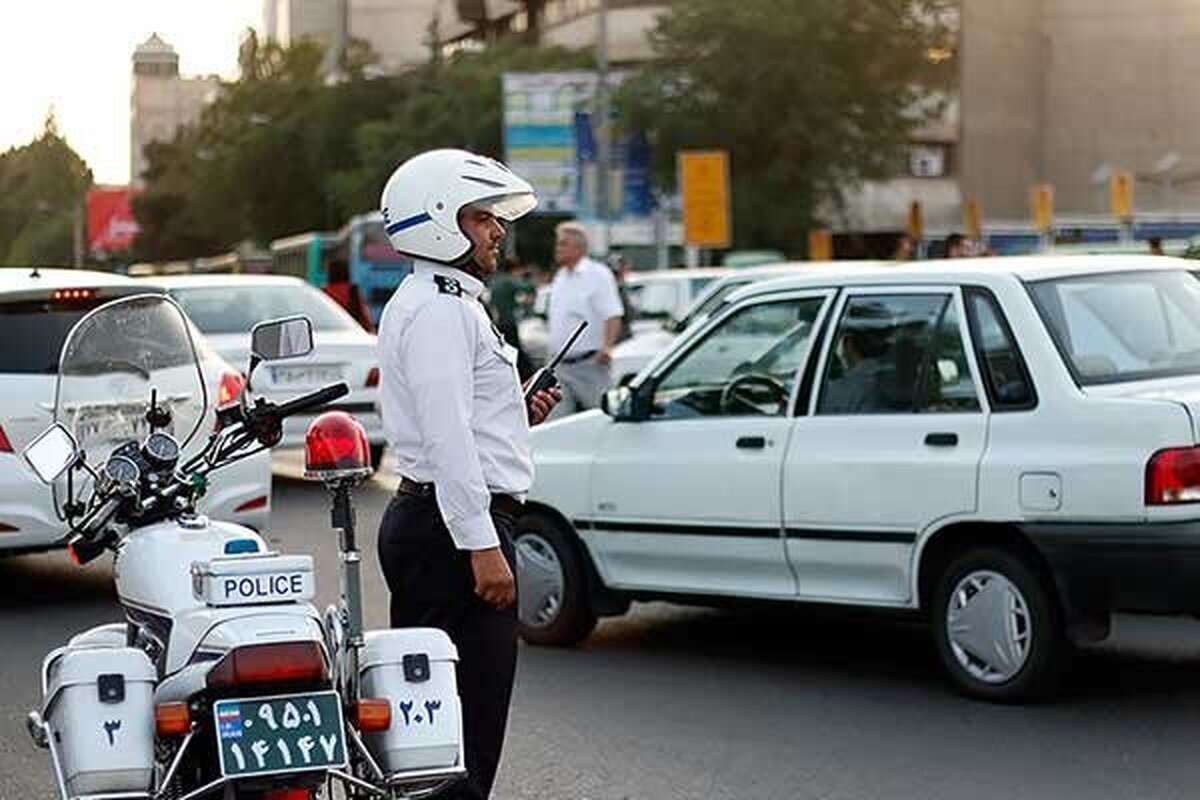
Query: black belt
{"points": [[578, 358], [502, 503]]}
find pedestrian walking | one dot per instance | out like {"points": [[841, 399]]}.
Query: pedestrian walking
{"points": [[582, 290], [456, 418]]}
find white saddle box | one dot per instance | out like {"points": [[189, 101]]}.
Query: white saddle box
{"points": [[414, 669], [99, 705]]}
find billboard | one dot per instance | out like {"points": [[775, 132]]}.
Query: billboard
{"points": [[550, 140], [111, 227]]}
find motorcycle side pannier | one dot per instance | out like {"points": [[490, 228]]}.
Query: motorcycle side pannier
{"points": [[414, 669], [99, 706]]}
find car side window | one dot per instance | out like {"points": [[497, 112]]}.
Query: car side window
{"points": [[747, 365], [1005, 376], [897, 354]]}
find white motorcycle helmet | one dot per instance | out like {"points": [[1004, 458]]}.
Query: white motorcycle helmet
{"points": [[425, 194]]}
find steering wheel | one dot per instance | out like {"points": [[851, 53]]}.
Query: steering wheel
{"points": [[730, 395]]}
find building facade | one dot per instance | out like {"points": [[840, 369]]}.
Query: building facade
{"points": [[398, 31], [161, 102]]}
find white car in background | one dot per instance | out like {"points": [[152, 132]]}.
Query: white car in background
{"points": [[226, 307], [38, 308], [1008, 448], [656, 296], [633, 354]]}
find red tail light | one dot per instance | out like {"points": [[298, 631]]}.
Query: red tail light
{"points": [[72, 295], [269, 663], [5, 444], [1173, 476], [252, 505], [230, 388], [373, 378]]}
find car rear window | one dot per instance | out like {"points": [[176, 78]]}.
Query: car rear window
{"points": [[38, 330], [1124, 326], [237, 309]]}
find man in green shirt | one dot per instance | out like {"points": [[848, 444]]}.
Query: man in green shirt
{"points": [[506, 290]]}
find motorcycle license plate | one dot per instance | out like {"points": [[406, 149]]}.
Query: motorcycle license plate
{"points": [[270, 735]]}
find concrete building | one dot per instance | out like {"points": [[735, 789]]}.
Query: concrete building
{"points": [[1065, 91], [397, 30], [161, 101]]}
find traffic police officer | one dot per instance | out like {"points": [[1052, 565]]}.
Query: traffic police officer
{"points": [[458, 423]]}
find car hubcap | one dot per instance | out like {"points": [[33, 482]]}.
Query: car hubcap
{"points": [[989, 626], [540, 581]]}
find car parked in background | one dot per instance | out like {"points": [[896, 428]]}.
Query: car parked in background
{"points": [[226, 307], [1008, 447], [38, 308]]}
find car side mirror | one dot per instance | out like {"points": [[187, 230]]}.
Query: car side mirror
{"points": [[277, 339], [626, 403], [51, 453]]}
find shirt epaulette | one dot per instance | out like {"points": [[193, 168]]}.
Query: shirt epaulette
{"points": [[448, 285]]}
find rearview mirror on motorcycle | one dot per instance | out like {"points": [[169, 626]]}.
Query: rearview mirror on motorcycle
{"points": [[51, 453], [277, 339]]}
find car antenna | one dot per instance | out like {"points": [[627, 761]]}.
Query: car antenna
{"points": [[35, 273]]}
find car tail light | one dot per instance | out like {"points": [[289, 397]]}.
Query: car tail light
{"points": [[5, 444], [269, 663], [1173, 476], [172, 719], [373, 377], [72, 295], [288, 794], [252, 505], [372, 716], [336, 447], [230, 388]]}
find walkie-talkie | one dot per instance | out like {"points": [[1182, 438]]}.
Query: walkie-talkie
{"points": [[544, 378]]}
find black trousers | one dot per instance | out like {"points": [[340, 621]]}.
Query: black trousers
{"points": [[432, 585]]}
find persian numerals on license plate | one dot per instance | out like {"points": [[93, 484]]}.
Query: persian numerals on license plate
{"points": [[308, 375], [267, 735]]}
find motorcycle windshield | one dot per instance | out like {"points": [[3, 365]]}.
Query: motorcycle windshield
{"points": [[119, 359]]}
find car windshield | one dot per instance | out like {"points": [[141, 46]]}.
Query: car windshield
{"points": [[1124, 326], [234, 308], [41, 327]]}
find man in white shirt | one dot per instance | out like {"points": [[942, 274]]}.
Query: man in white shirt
{"points": [[582, 290], [456, 419]]}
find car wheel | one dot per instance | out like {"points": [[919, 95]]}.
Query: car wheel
{"points": [[552, 592], [377, 456], [998, 626]]}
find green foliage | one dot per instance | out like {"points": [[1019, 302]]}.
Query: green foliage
{"points": [[809, 96], [281, 152], [42, 187]]}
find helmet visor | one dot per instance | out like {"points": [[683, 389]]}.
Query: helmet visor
{"points": [[508, 207]]}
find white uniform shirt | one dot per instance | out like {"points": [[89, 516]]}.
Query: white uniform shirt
{"points": [[587, 292], [451, 400]]}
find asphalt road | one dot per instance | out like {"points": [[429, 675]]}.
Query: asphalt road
{"points": [[669, 703]]}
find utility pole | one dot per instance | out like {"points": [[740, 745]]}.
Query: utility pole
{"points": [[603, 130]]}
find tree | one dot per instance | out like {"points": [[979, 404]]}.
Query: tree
{"points": [[809, 96], [43, 186]]}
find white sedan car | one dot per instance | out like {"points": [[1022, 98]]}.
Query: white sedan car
{"points": [[1008, 447], [38, 308], [226, 307]]}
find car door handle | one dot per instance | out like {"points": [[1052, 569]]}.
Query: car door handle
{"points": [[752, 442], [941, 439]]}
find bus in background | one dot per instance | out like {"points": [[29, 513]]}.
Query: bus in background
{"points": [[305, 256], [375, 267]]}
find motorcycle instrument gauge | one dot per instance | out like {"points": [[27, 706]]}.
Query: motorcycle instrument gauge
{"points": [[161, 449], [122, 470]]}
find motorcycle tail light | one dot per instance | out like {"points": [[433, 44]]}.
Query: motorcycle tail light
{"points": [[269, 663], [336, 447], [372, 716], [172, 719], [1173, 476]]}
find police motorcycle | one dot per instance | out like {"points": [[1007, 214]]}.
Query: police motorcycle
{"points": [[223, 680]]}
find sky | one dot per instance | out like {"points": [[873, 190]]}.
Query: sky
{"points": [[75, 56]]}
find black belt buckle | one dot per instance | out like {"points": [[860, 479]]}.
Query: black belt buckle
{"points": [[415, 489]]}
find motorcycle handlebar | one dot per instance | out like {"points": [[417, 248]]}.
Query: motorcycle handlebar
{"points": [[312, 400]]}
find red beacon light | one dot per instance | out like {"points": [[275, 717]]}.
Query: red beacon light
{"points": [[335, 449]]}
